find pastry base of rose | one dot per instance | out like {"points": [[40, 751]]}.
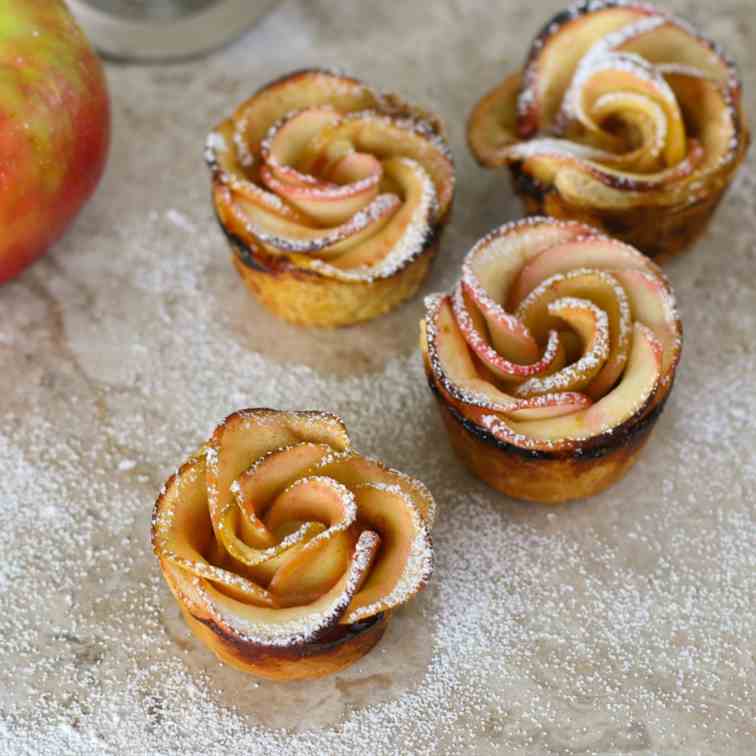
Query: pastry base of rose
{"points": [[308, 298], [547, 477], [335, 650], [660, 232]]}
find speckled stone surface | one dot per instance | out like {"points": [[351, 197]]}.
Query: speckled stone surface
{"points": [[624, 624]]}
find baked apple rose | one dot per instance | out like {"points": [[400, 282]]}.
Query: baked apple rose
{"points": [[285, 548], [552, 359], [623, 117], [332, 196]]}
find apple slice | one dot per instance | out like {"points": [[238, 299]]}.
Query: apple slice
{"points": [[652, 303], [455, 372], [603, 290], [555, 54], [182, 534], [404, 563], [402, 237], [312, 569], [388, 137], [329, 204], [309, 88], [629, 398], [601, 75], [492, 125], [287, 140], [592, 326], [473, 327], [290, 626], [282, 236], [247, 435], [352, 470], [256, 487], [491, 267], [599, 252]]}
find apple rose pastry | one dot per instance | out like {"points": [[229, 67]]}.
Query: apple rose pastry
{"points": [[286, 549], [552, 359], [623, 117], [332, 196]]}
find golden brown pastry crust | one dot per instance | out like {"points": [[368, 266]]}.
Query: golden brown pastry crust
{"points": [[623, 117], [598, 324], [332, 196], [286, 550]]}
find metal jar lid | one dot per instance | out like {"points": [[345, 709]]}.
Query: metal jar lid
{"points": [[155, 30]]}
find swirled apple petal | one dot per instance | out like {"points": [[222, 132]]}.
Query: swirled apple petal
{"points": [[182, 533], [456, 374], [404, 563], [602, 289], [288, 626], [628, 399]]}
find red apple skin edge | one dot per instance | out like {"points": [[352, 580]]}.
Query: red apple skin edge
{"points": [[54, 127]]}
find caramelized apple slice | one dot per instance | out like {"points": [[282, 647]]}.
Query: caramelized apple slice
{"points": [[312, 569], [556, 53], [401, 238], [592, 326], [182, 534], [256, 487], [652, 304], [455, 372], [387, 137], [403, 565], [598, 253], [248, 435], [492, 126], [491, 267], [301, 89], [352, 470], [631, 395], [282, 236], [286, 141], [329, 204], [598, 287], [293, 625], [473, 325]]}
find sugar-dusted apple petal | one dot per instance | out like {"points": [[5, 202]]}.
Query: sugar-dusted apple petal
{"points": [[492, 265], [592, 326], [555, 54], [401, 238], [631, 395], [473, 326], [257, 486], [404, 563], [600, 253], [328, 203], [386, 137], [299, 90], [312, 569], [182, 533], [282, 236], [247, 435], [291, 626], [455, 372], [352, 470], [603, 290], [492, 126], [606, 75], [675, 41], [713, 120], [287, 140], [652, 303]]}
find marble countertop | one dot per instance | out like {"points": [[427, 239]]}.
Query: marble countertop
{"points": [[624, 624]]}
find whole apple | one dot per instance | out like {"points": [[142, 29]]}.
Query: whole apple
{"points": [[54, 127]]}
